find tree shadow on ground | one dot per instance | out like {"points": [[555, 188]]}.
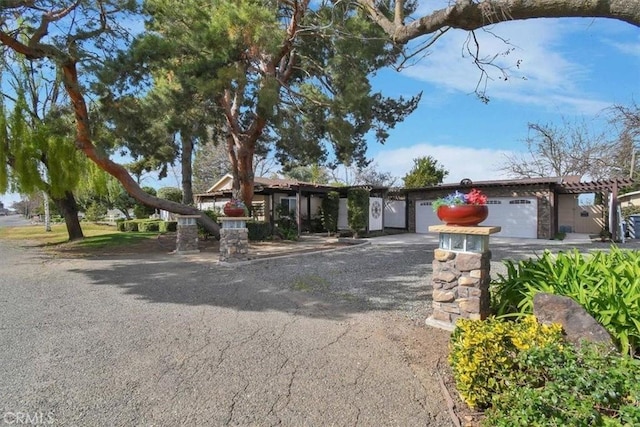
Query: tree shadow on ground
{"points": [[326, 284]]}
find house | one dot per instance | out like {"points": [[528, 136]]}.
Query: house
{"points": [[629, 199], [274, 197], [530, 208]]}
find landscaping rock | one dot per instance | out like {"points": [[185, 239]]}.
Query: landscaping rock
{"points": [[578, 325]]}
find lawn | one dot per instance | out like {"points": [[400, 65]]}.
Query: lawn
{"points": [[96, 236]]}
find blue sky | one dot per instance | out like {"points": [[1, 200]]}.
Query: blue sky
{"points": [[569, 68]]}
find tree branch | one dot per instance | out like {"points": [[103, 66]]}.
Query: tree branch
{"points": [[472, 15]]}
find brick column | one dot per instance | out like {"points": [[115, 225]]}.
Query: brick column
{"points": [[187, 236], [234, 239], [461, 275]]}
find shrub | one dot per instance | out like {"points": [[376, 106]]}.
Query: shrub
{"points": [[358, 210], [166, 226], [120, 225], [606, 284], [152, 225], [130, 225], [259, 231], [95, 212], [213, 214], [571, 387], [484, 355], [329, 211]]}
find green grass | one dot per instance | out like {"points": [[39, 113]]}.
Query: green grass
{"points": [[96, 235]]}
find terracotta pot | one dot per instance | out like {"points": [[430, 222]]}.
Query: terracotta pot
{"points": [[468, 215], [233, 211]]}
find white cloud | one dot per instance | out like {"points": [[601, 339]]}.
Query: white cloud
{"points": [[539, 72], [477, 164], [628, 48]]}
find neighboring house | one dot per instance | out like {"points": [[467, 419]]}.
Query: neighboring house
{"points": [[302, 200], [629, 199], [530, 208]]}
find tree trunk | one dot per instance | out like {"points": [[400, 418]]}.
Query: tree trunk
{"points": [[187, 171], [245, 173], [47, 212], [69, 210]]}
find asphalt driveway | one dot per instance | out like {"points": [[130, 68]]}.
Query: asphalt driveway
{"points": [[332, 338]]}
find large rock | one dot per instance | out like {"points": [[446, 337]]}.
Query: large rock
{"points": [[578, 325]]}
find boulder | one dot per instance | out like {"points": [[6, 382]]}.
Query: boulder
{"points": [[578, 325]]}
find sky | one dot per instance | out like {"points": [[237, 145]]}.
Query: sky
{"points": [[559, 69]]}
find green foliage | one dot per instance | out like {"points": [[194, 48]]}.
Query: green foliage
{"points": [[168, 226], [259, 231], [570, 387], [120, 225], [143, 211], [170, 193], [286, 226], [149, 225], [425, 172], [358, 210], [606, 284], [329, 211], [213, 214], [95, 212], [130, 226], [484, 355]]}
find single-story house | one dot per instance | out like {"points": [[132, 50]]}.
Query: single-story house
{"points": [[274, 195], [629, 199], [530, 208]]}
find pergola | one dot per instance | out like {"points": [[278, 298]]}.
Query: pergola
{"points": [[609, 186]]}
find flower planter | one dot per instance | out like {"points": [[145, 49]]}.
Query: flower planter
{"points": [[233, 211], [466, 215]]}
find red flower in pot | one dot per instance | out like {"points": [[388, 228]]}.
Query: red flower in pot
{"points": [[234, 207], [462, 209]]}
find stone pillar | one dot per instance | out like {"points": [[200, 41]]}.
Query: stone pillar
{"points": [[461, 274], [234, 239], [187, 238]]}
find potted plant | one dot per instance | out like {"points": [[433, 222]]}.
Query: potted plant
{"points": [[458, 208], [234, 207]]}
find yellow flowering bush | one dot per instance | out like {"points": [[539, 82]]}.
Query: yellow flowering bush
{"points": [[484, 354]]}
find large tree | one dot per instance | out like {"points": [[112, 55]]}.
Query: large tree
{"points": [[73, 37], [281, 74]]}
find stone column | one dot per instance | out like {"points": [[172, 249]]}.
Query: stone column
{"points": [[187, 236], [461, 275], [234, 239]]}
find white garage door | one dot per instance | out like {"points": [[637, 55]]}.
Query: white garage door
{"points": [[425, 216], [518, 217]]}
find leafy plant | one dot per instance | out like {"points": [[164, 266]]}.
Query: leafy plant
{"points": [[484, 355], [606, 284], [570, 386], [358, 210], [329, 211]]}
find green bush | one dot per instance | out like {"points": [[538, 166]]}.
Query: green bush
{"points": [[606, 284], [570, 387], [130, 225], [213, 214], [329, 211], [167, 226], [95, 212], [259, 231], [151, 225], [120, 225], [484, 355], [358, 210]]}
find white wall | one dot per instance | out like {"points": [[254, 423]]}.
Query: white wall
{"points": [[395, 214]]}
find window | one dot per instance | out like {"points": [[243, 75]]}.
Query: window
{"points": [[288, 206]]}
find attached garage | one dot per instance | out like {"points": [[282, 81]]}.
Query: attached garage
{"points": [[518, 216]]}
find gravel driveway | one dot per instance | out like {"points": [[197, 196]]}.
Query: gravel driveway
{"points": [[333, 338]]}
